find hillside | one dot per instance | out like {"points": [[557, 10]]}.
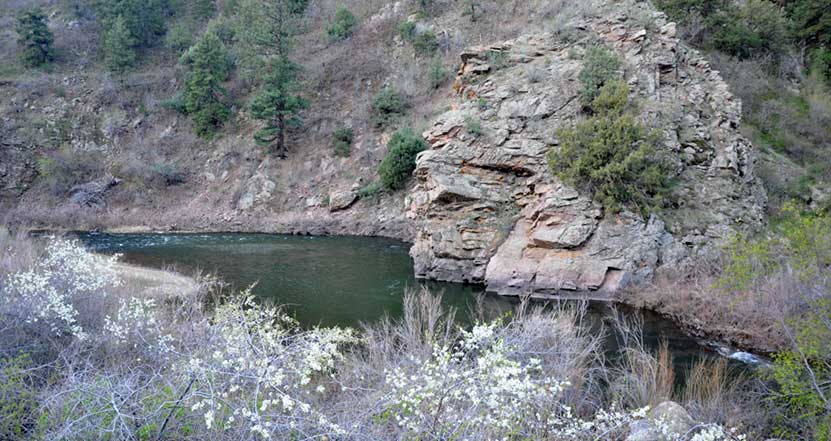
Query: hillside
{"points": [[672, 155]]}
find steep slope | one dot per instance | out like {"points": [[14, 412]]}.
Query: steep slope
{"points": [[489, 210]]}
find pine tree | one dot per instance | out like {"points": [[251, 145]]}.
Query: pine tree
{"points": [[204, 97], [266, 36], [145, 19], [34, 36], [203, 9], [119, 54]]}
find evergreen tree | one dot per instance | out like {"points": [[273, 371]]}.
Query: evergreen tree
{"points": [[34, 36], [811, 20], [119, 54], [266, 33], [145, 19], [204, 97], [204, 9]]}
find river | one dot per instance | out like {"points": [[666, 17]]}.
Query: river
{"points": [[342, 281]]}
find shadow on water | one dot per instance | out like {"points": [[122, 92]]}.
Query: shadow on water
{"points": [[343, 280]]}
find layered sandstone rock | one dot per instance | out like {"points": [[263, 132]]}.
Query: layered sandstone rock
{"points": [[488, 209]]}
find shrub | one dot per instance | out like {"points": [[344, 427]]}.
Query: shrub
{"points": [[180, 37], [612, 157], [63, 169], [753, 29], [34, 37], [343, 26], [342, 139], [426, 43], [18, 402], [399, 163], [497, 59], [169, 173], [436, 73], [473, 126], [821, 64], [407, 30], [535, 74], [203, 9], [599, 66], [387, 107], [372, 189]]}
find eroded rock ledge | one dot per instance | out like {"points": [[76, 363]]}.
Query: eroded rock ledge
{"points": [[489, 211]]}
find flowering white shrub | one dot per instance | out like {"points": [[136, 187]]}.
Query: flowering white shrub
{"points": [[261, 374], [78, 271], [48, 294], [476, 390], [32, 295], [715, 432], [472, 385], [136, 324]]}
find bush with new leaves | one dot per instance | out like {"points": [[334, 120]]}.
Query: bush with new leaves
{"points": [[400, 162]]}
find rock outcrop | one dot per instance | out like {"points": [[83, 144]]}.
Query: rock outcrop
{"points": [[92, 194], [488, 209]]}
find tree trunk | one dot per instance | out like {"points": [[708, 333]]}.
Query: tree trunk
{"points": [[281, 137]]}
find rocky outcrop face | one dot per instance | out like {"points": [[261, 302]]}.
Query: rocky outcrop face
{"points": [[489, 210], [17, 167], [92, 194]]}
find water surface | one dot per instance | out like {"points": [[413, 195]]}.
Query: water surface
{"points": [[336, 280]]}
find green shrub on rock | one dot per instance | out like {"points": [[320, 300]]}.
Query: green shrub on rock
{"points": [[400, 161], [599, 66], [436, 73], [612, 156], [407, 30], [387, 106], [342, 139], [424, 42]]}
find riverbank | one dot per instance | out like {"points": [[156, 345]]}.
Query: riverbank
{"points": [[377, 217]]}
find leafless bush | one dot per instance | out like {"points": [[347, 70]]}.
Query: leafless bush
{"points": [[712, 391], [642, 377], [691, 297], [18, 252]]}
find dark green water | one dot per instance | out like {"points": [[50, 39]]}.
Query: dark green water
{"points": [[334, 280]]}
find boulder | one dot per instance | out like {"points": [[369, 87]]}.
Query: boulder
{"points": [[665, 422], [341, 200]]}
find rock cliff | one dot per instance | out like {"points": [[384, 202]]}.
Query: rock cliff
{"points": [[487, 208]]}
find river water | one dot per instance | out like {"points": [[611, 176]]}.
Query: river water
{"points": [[338, 280]]}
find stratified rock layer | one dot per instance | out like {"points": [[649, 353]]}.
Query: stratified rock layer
{"points": [[488, 209]]}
